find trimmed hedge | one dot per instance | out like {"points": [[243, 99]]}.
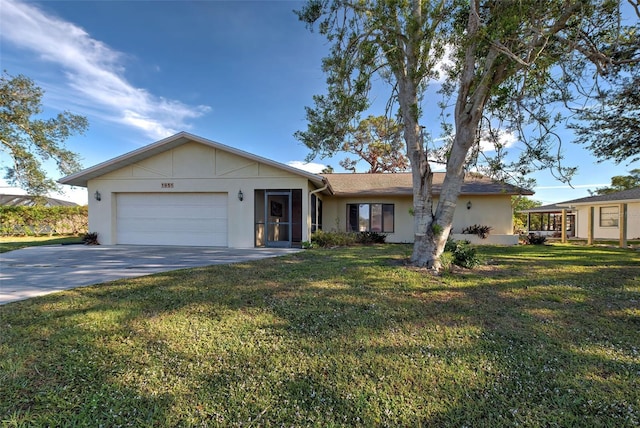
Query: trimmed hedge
{"points": [[32, 221], [344, 239]]}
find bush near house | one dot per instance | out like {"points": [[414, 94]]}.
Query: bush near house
{"points": [[477, 229], [459, 253], [33, 221], [344, 239], [535, 239]]}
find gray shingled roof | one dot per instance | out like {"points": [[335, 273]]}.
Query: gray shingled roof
{"points": [[623, 195], [346, 184], [551, 208], [29, 201]]}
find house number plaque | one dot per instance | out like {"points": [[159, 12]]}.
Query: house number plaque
{"points": [[166, 185]]}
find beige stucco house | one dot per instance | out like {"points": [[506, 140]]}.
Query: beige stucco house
{"points": [[187, 190]]}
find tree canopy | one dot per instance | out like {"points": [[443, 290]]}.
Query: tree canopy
{"points": [[519, 203], [621, 182], [29, 140], [503, 66], [611, 128], [377, 140]]}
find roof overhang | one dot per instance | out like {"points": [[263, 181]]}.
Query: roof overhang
{"points": [[598, 202]]}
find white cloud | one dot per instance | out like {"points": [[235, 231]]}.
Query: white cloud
{"points": [[505, 138], [94, 70], [314, 168]]}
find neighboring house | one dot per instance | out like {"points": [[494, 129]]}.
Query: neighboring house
{"points": [[187, 190], [614, 216], [29, 201], [547, 220]]}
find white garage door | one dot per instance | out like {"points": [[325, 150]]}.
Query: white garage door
{"points": [[195, 219]]}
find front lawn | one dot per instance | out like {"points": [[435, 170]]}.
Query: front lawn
{"points": [[538, 336], [10, 243]]}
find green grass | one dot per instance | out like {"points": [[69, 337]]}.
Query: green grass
{"points": [[10, 243], [539, 336]]}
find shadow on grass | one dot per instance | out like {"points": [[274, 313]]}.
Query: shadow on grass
{"points": [[547, 336]]}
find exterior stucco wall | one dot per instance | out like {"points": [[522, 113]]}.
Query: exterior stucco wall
{"points": [[599, 232], [494, 211], [489, 210], [193, 167], [335, 215]]}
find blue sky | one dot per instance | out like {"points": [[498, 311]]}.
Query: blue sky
{"points": [[237, 72]]}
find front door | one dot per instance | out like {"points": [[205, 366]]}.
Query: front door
{"points": [[278, 215]]}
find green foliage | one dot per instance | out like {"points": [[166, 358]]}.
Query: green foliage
{"points": [[621, 182], [39, 220], [378, 141], [324, 239], [436, 228], [611, 128], [461, 254], [29, 140], [477, 229], [307, 245], [368, 238], [11, 243], [368, 41], [446, 261], [535, 239], [90, 238], [519, 203]]}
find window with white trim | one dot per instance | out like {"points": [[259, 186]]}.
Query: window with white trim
{"points": [[609, 216], [370, 218]]}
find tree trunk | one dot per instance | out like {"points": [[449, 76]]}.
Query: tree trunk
{"points": [[427, 236], [431, 229], [468, 111]]}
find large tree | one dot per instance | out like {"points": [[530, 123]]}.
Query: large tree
{"points": [[508, 61], [29, 140], [377, 140], [620, 183], [611, 128], [519, 203]]}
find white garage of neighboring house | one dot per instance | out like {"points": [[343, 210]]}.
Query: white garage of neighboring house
{"points": [[187, 190]]}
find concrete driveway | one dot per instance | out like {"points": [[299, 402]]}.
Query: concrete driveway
{"points": [[41, 270]]}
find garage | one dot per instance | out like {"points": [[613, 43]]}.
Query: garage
{"points": [[195, 219]]}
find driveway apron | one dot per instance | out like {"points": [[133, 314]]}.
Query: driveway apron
{"points": [[35, 271]]}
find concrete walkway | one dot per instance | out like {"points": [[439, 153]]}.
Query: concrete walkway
{"points": [[41, 270]]}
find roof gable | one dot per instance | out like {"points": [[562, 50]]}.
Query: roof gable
{"points": [[142, 158]]}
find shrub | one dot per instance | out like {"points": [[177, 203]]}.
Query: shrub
{"points": [[462, 254], [446, 260], [90, 238], [39, 220], [477, 229], [535, 239], [367, 238], [333, 239], [344, 239]]}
